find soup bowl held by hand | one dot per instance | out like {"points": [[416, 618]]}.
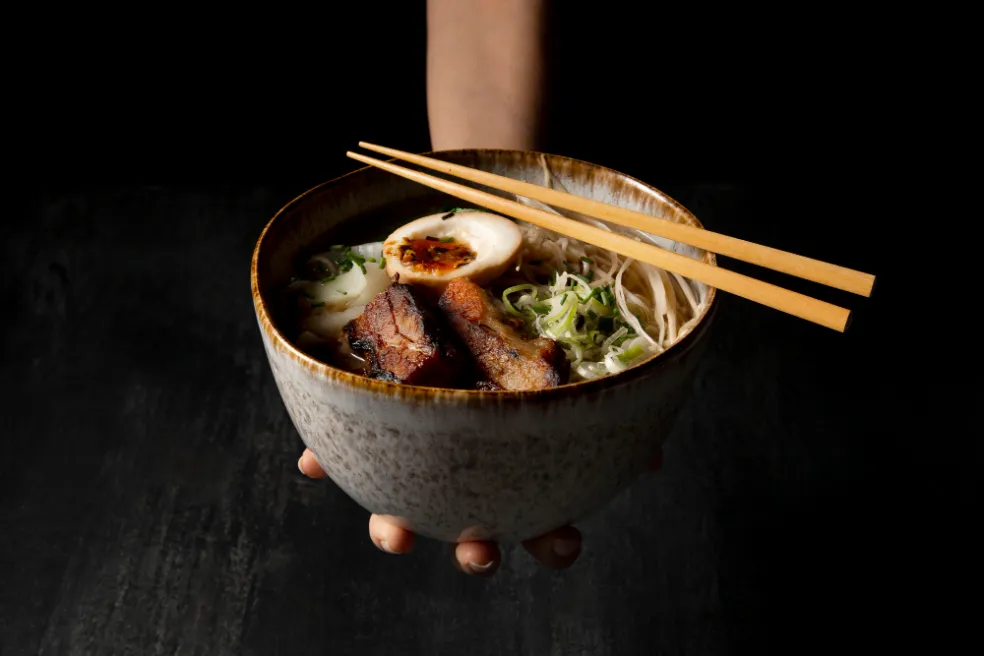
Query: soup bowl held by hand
{"points": [[456, 464]]}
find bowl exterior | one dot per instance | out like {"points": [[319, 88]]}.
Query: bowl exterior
{"points": [[454, 468]]}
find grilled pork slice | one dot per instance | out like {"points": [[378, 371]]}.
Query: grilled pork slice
{"points": [[506, 360], [403, 341]]}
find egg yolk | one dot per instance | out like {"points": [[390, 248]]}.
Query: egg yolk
{"points": [[434, 255]]}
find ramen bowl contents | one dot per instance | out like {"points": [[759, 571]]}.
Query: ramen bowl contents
{"points": [[467, 375], [535, 309]]}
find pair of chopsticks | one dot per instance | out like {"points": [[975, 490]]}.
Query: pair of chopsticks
{"points": [[779, 298]]}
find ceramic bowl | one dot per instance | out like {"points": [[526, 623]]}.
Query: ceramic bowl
{"points": [[459, 465]]}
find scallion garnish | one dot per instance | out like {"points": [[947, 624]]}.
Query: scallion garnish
{"points": [[630, 354], [512, 290]]}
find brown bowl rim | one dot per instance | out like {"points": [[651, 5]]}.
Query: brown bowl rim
{"points": [[424, 393]]}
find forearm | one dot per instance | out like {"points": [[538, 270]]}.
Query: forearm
{"points": [[485, 69]]}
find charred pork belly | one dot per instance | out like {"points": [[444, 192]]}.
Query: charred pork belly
{"points": [[506, 360], [403, 341]]}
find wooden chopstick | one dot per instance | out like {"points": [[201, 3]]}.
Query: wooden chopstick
{"points": [[765, 256], [765, 293]]}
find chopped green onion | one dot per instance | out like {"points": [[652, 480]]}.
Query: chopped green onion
{"points": [[613, 338], [328, 278], [631, 354], [598, 308], [568, 322], [382, 263], [587, 260], [372, 259], [516, 288], [540, 308], [447, 240]]}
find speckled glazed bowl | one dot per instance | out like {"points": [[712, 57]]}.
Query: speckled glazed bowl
{"points": [[461, 465]]}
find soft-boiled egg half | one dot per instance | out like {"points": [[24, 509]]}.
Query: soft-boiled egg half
{"points": [[435, 249]]}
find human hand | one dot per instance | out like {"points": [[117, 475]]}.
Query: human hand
{"points": [[557, 549]]}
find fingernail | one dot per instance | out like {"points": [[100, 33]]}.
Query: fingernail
{"points": [[481, 569], [385, 547], [565, 548], [299, 461]]}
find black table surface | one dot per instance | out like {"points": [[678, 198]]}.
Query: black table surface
{"points": [[151, 504]]}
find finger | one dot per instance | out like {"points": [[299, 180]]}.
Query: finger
{"points": [[657, 462], [389, 537], [477, 558], [309, 466], [557, 549]]}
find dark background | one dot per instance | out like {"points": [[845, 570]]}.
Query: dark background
{"points": [[815, 496]]}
